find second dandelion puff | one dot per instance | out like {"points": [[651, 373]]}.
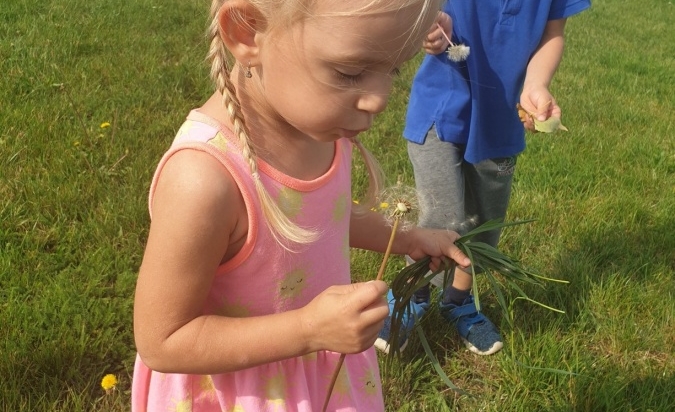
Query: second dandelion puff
{"points": [[456, 52]]}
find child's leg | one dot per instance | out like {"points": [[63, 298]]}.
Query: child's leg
{"points": [[488, 187], [488, 190], [439, 181]]}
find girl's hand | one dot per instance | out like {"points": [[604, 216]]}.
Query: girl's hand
{"points": [[436, 243], [346, 318], [539, 102], [436, 41]]}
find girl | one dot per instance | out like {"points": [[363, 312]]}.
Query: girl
{"points": [[244, 301]]}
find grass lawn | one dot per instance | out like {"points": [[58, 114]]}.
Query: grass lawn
{"points": [[92, 93]]}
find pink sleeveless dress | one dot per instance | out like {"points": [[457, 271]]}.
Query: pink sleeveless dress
{"points": [[262, 279]]}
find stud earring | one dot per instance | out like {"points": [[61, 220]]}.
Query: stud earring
{"points": [[248, 73]]}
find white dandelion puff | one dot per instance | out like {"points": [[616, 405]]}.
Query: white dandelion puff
{"points": [[458, 52]]}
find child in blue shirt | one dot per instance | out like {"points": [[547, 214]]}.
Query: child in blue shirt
{"points": [[464, 132]]}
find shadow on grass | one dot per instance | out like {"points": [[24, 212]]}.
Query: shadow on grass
{"points": [[614, 391], [638, 257]]}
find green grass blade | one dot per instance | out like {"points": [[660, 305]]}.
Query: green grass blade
{"points": [[549, 370], [489, 226], [436, 364]]}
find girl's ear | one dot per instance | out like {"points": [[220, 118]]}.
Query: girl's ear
{"points": [[239, 23]]}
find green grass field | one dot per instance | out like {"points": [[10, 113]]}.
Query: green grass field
{"points": [[73, 214]]}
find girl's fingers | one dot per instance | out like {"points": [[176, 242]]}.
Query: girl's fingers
{"points": [[364, 295]]}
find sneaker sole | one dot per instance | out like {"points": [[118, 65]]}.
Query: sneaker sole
{"points": [[496, 347], [383, 346]]}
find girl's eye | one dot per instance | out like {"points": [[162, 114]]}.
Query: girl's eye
{"points": [[351, 79]]}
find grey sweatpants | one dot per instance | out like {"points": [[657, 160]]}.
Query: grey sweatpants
{"points": [[455, 194]]}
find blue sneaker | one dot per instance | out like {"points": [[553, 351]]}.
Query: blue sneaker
{"points": [[417, 310], [478, 333]]}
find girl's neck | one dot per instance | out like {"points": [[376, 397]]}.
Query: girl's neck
{"points": [[275, 141]]}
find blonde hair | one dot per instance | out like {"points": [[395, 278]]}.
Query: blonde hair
{"points": [[278, 13]]}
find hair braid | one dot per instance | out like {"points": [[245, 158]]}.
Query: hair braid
{"points": [[282, 228]]}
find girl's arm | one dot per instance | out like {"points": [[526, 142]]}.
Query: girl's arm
{"points": [[535, 96], [197, 213], [372, 232]]}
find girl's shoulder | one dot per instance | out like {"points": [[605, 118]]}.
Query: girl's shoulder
{"points": [[193, 191]]}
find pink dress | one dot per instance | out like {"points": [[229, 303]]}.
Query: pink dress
{"points": [[262, 279]]}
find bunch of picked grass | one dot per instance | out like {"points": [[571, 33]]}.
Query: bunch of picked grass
{"points": [[485, 260]]}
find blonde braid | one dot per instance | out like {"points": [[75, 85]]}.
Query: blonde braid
{"points": [[281, 227]]}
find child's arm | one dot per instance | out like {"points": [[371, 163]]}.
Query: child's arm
{"points": [[196, 224], [372, 232], [536, 97]]}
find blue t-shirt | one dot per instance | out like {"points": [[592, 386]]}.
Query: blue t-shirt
{"points": [[473, 102]]}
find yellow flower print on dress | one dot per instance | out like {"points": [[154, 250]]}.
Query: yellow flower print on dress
{"points": [[310, 357], [182, 406], [342, 384], [208, 389], [290, 201], [369, 382], [345, 246], [340, 209], [275, 390], [184, 130], [219, 141], [234, 310], [293, 284]]}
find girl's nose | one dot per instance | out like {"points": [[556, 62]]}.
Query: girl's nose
{"points": [[374, 100], [373, 103]]}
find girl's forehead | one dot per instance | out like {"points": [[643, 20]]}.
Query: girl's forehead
{"points": [[375, 35]]}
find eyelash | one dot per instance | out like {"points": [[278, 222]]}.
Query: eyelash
{"points": [[354, 79], [351, 79]]}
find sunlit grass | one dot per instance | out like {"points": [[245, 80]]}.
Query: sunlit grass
{"points": [[73, 211]]}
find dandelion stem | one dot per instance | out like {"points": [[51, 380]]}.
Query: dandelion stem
{"points": [[380, 273], [333, 379], [445, 35]]}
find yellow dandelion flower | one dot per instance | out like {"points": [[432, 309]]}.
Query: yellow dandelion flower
{"points": [[105, 125], [109, 382]]}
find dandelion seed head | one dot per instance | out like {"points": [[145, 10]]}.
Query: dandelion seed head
{"points": [[402, 204], [458, 52], [402, 207]]}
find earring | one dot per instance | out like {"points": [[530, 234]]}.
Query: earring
{"points": [[248, 73]]}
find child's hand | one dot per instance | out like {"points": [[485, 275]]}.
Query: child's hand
{"points": [[436, 41], [436, 243], [540, 103], [346, 318]]}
